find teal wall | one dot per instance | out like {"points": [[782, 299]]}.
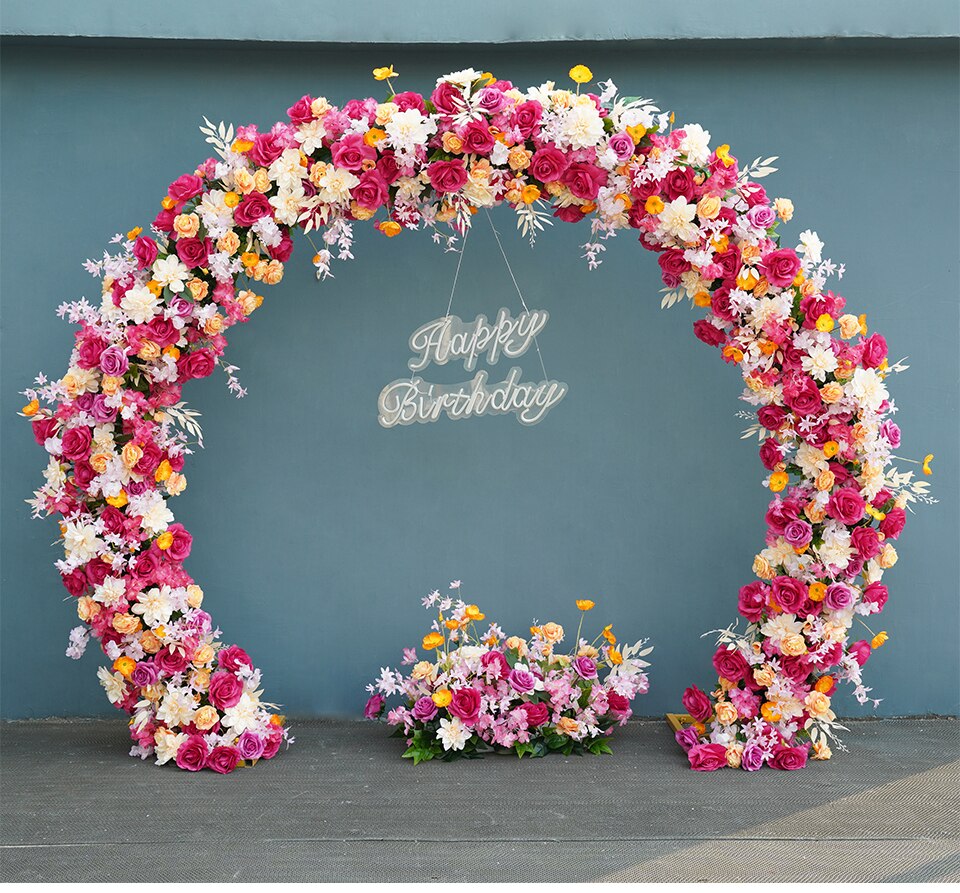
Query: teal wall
{"points": [[317, 531]]}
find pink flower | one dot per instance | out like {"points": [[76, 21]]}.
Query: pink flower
{"points": [[707, 757], [892, 525], [113, 361], [526, 118], [232, 658], [730, 664], [752, 601], [585, 667], [866, 541], [784, 757], [861, 651], [192, 754], [254, 206], [788, 593], [351, 151], [225, 690], [185, 187], [522, 681], [250, 746], [495, 664], [372, 190], [584, 180], [194, 252], [874, 351], [198, 364], [876, 594], [373, 707], [145, 252], [548, 164], [697, 704], [76, 442], [839, 597], [267, 148], [300, 112], [709, 333], [424, 709], [537, 713], [465, 705], [846, 505], [752, 758], [447, 176], [477, 138], [223, 759], [780, 267], [447, 99]]}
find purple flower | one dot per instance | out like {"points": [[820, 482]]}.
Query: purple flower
{"points": [[100, 411], [523, 681], [839, 597], [752, 758], [585, 667], [622, 145], [373, 707], [762, 216], [424, 709], [113, 361], [250, 746], [144, 673], [687, 737]]}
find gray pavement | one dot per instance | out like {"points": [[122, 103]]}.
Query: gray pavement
{"points": [[342, 806]]}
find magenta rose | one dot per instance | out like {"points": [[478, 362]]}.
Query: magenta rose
{"points": [[672, 266], [282, 251], [76, 582], [526, 118], [846, 505], [267, 148], [621, 144], [803, 396], [300, 112], [89, 350], [465, 705], [192, 754], [424, 709], [495, 664], [874, 351], [477, 138], [584, 180], [491, 100], [372, 191], [839, 597], [254, 206], [223, 759], [76, 442], [569, 214], [585, 667], [198, 364], [194, 252], [43, 429], [619, 704], [784, 757], [160, 331], [179, 549], [273, 742], [410, 100], [548, 164], [447, 176], [772, 417], [679, 182], [97, 570], [729, 262], [185, 187], [250, 745], [866, 540], [170, 661], [696, 703], [113, 361], [892, 525], [771, 453], [144, 674], [687, 738], [861, 651], [762, 216], [890, 431], [876, 594], [145, 252], [232, 658], [798, 534], [522, 681], [780, 267], [538, 713], [730, 664], [752, 758], [752, 600], [373, 707], [707, 757], [788, 593], [709, 333], [351, 151], [447, 99]]}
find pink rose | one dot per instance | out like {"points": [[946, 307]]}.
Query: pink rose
{"points": [[585, 667], [44, 429], [772, 417], [548, 164], [784, 757], [788, 593], [866, 541], [752, 601], [707, 757], [846, 505], [584, 180], [170, 661], [697, 704], [621, 144], [185, 187], [678, 183], [762, 216], [447, 99], [538, 713], [892, 525], [687, 737], [802, 395], [466, 705], [76, 442], [232, 658], [876, 594], [447, 176], [839, 597], [351, 151], [709, 333], [619, 704], [771, 453], [113, 361], [254, 206], [198, 364], [267, 148], [374, 706], [424, 709], [145, 251], [526, 118], [477, 138], [673, 266], [410, 100], [780, 267], [300, 112], [223, 759], [192, 754], [194, 252], [182, 541], [730, 664], [861, 651], [752, 758], [250, 746], [372, 191], [495, 665], [798, 534], [522, 681], [874, 351]]}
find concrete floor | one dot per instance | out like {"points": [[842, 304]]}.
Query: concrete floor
{"points": [[342, 806]]}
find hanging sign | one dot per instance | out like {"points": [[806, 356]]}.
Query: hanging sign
{"points": [[449, 338]]}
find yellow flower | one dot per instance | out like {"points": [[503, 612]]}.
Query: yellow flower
{"points": [[608, 634], [926, 463], [133, 233], [382, 74], [31, 408], [824, 322], [878, 640], [831, 448], [530, 193], [164, 470], [778, 480], [432, 640], [584, 604], [817, 592], [824, 684], [249, 258], [580, 74], [231, 199], [390, 228], [653, 205], [442, 697], [615, 656], [637, 132], [769, 712], [723, 153], [374, 135], [124, 666], [165, 540], [119, 501], [472, 612], [241, 146]]}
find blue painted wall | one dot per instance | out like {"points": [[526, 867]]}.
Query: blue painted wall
{"points": [[318, 531]]}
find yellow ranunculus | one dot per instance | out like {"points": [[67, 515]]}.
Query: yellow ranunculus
{"points": [[390, 228], [124, 666], [530, 193], [615, 656], [165, 540], [133, 233], [636, 132], [241, 146], [31, 408], [926, 463], [878, 640], [119, 501], [432, 640], [472, 612], [723, 153], [778, 480], [442, 698], [831, 448], [580, 74], [653, 205], [824, 322], [585, 604], [231, 199], [382, 74], [817, 592]]}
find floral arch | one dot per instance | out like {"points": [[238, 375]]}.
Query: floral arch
{"points": [[116, 431]]}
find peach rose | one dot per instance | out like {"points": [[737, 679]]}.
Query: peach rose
{"points": [[206, 718], [229, 242], [87, 608], [734, 755], [176, 484], [131, 454], [794, 645], [186, 225], [567, 725], [821, 751], [126, 624], [194, 595], [552, 632], [726, 713], [817, 704], [764, 675], [243, 180]]}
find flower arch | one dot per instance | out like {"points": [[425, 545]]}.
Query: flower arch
{"points": [[117, 432]]}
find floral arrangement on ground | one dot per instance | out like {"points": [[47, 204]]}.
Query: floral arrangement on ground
{"points": [[117, 432], [485, 691]]}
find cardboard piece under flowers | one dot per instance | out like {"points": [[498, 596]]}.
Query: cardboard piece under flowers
{"points": [[677, 721]]}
